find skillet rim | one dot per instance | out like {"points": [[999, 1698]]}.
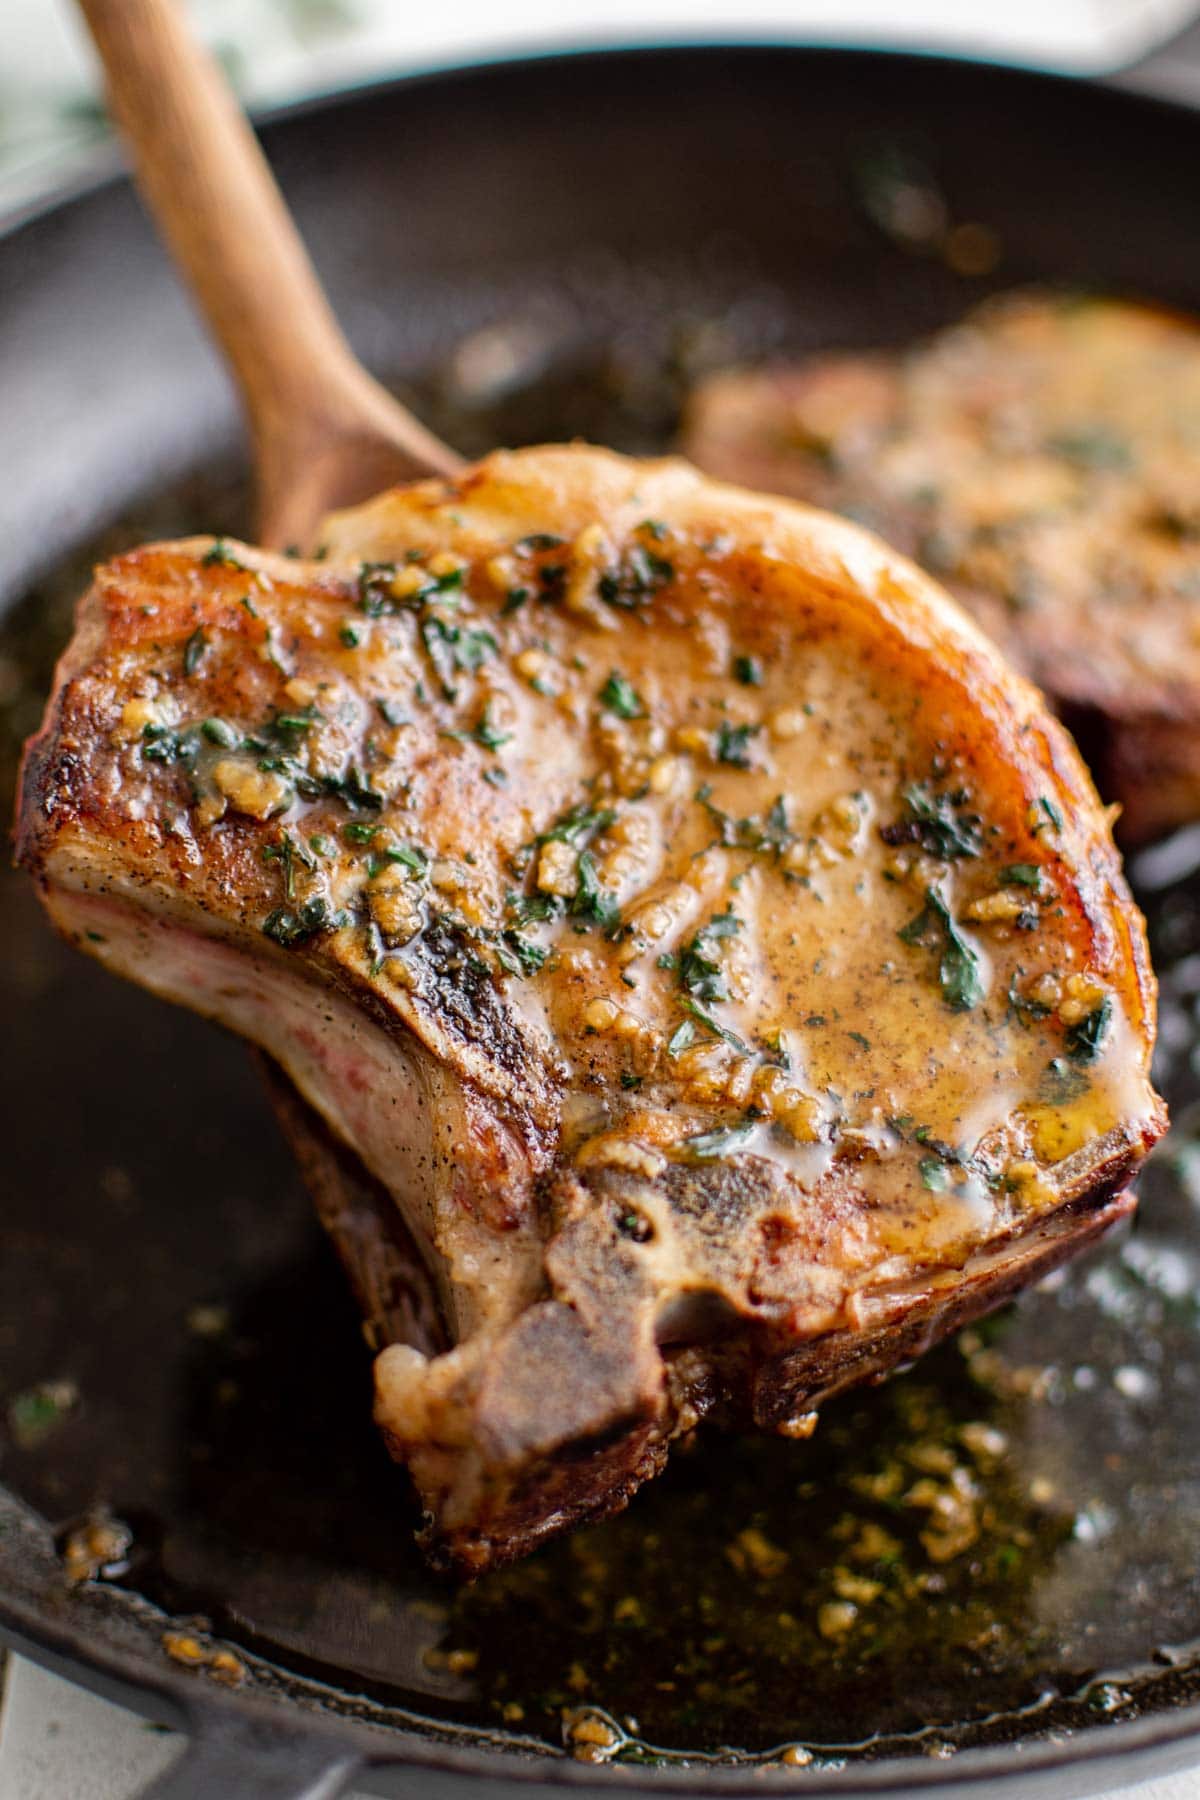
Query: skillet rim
{"points": [[1159, 1739]]}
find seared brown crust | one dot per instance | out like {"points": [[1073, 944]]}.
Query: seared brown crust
{"points": [[1041, 459], [720, 1037]]}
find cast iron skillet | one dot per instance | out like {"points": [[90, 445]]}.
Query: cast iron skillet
{"points": [[593, 230]]}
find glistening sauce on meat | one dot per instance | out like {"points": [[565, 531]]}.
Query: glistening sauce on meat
{"points": [[688, 844]]}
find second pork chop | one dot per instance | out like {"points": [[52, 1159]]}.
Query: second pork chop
{"points": [[1043, 459]]}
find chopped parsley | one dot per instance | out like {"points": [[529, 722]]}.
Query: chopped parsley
{"points": [[1053, 819], [163, 743], [715, 1027], [289, 852], [621, 697], [220, 554], [637, 578], [517, 955], [288, 927], [712, 1144], [733, 743], [590, 901], [937, 822], [769, 834], [578, 826], [486, 733], [221, 733], [748, 670], [699, 974], [1022, 875], [409, 856], [193, 650], [1085, 1040], [958, 964]]}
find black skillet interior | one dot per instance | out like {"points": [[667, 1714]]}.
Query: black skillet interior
{"points": [[544, 250]]}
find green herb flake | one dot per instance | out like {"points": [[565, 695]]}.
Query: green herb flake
{"points": [[295, 724], [958, 964], [590, 900], [577, 826], [288, 928], [620, 697], [408, 856], [699, 974], [748, 670], [682, 1038], [1022, 875], [733, 743], [519, 955], [219, 554], [934, 1174], [710, 1145], [636, 579], [715, 1027], [222, 733], [1053, 818], [350, 635], [939, 823], [489, 735], [1085, 1040], [193, 650], [374, 579]]}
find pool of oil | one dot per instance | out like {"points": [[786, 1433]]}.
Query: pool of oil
{"points": [[1005, 1534]]}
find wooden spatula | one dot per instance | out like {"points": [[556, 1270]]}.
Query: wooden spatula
{"points": [[324, 434]]}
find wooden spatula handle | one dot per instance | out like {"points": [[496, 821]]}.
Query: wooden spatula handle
{"points": [[325, 432]]}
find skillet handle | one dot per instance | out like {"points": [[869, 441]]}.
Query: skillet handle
{"points": [[238, 1761]]}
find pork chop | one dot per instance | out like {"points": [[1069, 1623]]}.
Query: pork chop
{"points": [[716, 956], [1042, 458]]}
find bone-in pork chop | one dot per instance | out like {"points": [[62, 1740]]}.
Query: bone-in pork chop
{"points": [[717, 957]]}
